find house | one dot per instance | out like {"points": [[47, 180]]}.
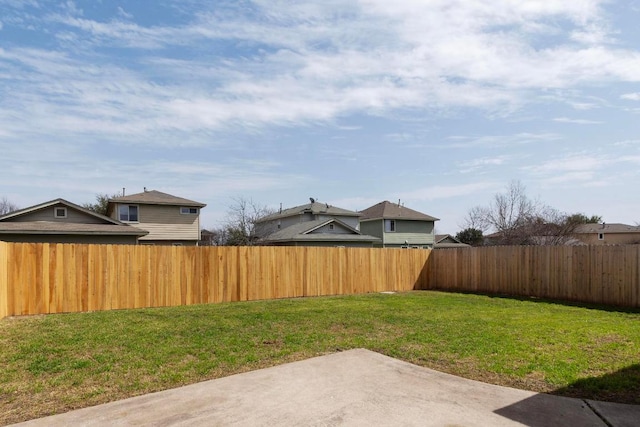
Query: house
{"points": [[443, 241], [313, 224], [60, 221], [168, 220], [608, 234], [398, 226]]}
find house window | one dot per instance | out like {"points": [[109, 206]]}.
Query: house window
{"points": [[389, 225], [188, 211], [600, 236], [330, 226], [59, 212], [128, 213]]}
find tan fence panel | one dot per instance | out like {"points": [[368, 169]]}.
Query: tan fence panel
{"points": [[54, 278]]}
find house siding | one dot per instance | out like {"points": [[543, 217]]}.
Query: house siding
{"points": [[416, 233], [165, 224], [46, 214], [610, 238]]}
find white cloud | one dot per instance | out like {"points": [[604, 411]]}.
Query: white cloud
{"points": [[445, 191], [458, 141], [635, 96], [576, 121]]}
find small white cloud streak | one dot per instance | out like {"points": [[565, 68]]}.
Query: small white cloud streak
{"points": [[635, 96], [445, 191], [576, 121]]}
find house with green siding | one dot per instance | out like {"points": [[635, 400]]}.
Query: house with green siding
{"points": [[398, 226]]}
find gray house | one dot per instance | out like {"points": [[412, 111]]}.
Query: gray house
{"points": [[313, 224], [398, 227], [60, 221]]}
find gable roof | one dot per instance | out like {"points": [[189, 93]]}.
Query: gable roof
{"points": [[388, 210], [154, 197], [303, 231], [106, 226], [448, 241], [314, 208], [606, 228]]}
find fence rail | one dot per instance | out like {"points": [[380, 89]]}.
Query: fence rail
{"points": [[41, 278]]}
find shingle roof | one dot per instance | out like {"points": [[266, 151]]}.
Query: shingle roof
{"points": [[607, 228], [314, 208], [154, 197], [54, 227], [109, 225], [388, 210], [303, 232]]}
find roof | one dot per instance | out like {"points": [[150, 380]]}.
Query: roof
{"points": [[388, 210], [448, 241], [108, 226], [54, 227], [606, 228], [314, 208], [154, 197], [303, 231]]}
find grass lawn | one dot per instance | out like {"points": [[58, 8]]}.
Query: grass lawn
{"points": [[52, 364]]}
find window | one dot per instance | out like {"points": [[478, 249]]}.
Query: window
{"points": [[128, 213], [330, 226], [188, 211], [389, 225], [600, 236], [59, 212]]}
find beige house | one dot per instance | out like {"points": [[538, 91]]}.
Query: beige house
{"points": [[398, 226], [169, 220], [608, 234], [60, 221]]}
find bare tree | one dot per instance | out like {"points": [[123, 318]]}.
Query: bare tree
{"points": [[240, 226], [515, 219], [7, 207]]}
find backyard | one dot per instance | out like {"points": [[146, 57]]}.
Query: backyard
{"points": [[57, 363]]}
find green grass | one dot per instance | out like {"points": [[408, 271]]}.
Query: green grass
{"points": [[56, 363]]}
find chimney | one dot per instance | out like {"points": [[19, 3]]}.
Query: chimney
{"points": [[280, 208], [122, 191], [603, 224]]}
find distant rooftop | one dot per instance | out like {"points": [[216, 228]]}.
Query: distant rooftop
{"points": [[154, 197], [388, 210], [314, 207]]}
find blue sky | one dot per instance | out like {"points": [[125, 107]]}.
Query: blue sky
{"points": [[439, 103]]}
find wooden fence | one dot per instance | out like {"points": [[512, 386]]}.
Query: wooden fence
{"points": [[38, 278], [590, 274]]}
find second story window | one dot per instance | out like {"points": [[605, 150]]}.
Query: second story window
{"points": [[187, 211], [128, 213], [389, 225]]}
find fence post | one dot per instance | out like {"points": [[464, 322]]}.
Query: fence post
{"points": [[4, 277]]}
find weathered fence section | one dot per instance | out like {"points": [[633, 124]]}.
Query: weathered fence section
{"points": [[38, 278], [590, 274]]}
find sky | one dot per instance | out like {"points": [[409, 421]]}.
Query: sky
{"points": [[437, 103]]}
